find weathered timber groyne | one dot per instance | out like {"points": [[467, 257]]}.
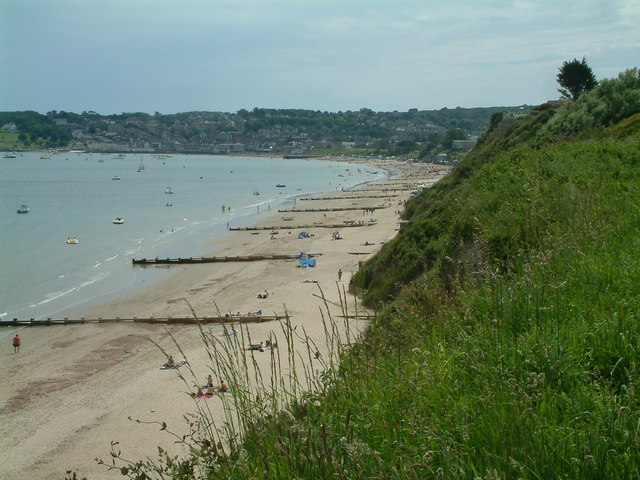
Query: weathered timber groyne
{"points": [[183, 320], [350, 197], [238, 258], [335, 209], [314, 225]]}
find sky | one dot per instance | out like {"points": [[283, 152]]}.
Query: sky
{"points": [[117, 56]]}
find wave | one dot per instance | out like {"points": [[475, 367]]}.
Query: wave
{"points": [[53, 296], [111, 258], [56, 295]]}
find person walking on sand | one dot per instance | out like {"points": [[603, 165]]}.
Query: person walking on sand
{"points": [[339, 274], [16, 343]]}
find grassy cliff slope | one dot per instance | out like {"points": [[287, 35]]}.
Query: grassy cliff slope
{"points": [[507, 340]]}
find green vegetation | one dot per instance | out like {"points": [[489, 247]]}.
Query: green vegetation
{"points": [[507, 339], [36, 130], [575, 78], [9, 140]]}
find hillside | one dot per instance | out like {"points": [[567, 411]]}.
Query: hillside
{"points": [[261, 130], [506, 343]]}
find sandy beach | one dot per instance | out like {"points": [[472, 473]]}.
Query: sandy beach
{"points": [[71, 389]]}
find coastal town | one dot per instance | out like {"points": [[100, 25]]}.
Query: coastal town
{"points": [[422, 134]]}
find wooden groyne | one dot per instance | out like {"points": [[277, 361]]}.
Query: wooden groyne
{"points": [[238, 258], [335, 209], [182, 320], [350, 197], [302, 227]]}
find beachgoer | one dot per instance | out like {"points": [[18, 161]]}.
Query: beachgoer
{"points": [[267, 343], [16, 343], [210, 390], [223, 386], [170, 361], [210, 381], [339, 274]]}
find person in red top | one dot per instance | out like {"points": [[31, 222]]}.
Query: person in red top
{"points": [[16, 343]]}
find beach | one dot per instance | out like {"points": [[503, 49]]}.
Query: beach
{"points": [[74, 389]]}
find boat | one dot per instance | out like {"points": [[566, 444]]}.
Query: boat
{"points": [[168, 190], [72, 240], [256, 192], [10, 155], [45, 157], [118, 220], [280, 185], [23, 209], [168, 205], [116, 177]]}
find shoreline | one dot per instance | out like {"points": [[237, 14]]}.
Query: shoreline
{"points": [[70, 390]]}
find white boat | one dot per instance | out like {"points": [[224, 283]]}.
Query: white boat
{"points": [[118, 220], [72, 240], [168, 190], [23, 209], [10, 155], [116, 177]]}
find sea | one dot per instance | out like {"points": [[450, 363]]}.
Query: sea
{"points": [[80, 194]]}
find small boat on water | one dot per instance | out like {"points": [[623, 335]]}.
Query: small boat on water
{"points": [[168, 205], [280, 185], [116, 177], [23, 209], [72, 240], [10, 155], [118, 220], [168, 190]]}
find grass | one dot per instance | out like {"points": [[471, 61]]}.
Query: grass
{"points": [[9, 140]]}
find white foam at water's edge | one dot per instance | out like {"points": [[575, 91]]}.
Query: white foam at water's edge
{"points": [[59, 294], [53, 296]]}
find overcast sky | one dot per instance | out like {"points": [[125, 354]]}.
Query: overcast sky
{"points": [[114, 56]]}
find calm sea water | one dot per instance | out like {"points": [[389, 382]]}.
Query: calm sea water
{"points": [[77, 195]]}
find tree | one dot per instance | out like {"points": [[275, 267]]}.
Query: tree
{"points": [[575, 78]]}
